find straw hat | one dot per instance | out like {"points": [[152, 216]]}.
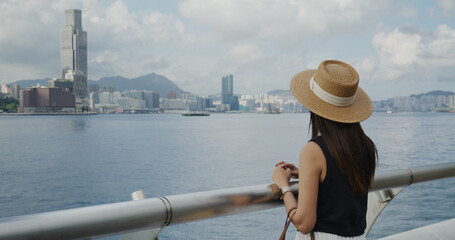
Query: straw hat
{"points": [[332, 92]]}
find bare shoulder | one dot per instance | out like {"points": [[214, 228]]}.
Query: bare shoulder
{"points": [[312, 154], [311, 150]]}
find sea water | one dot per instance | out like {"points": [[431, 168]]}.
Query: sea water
{"points": [[51, 163]]}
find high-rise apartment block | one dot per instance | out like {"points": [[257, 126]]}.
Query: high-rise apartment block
{"points": [[73, 52], [16, 91], [227, 88], [227, 92]]}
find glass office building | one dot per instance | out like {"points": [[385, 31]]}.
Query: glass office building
{"points": [[73, 51]]}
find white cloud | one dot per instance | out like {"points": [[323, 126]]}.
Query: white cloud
{"points": [[27, 49], [263, 43], [409, 12], [131, 44], [120, 41], [423, 54], [367, 65], [398, 48], [447, 5], [245, 53], [124, 27], [281, 22], [443, 45]]}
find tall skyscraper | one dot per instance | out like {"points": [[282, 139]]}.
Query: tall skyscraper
{"points": [[73, 52], [227, 88], [227, 92]]}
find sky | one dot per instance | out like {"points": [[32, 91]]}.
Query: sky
{"points": [[399, 48]]}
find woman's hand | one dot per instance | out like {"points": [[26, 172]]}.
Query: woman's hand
{"points": [[294, 169], [281, 176]]}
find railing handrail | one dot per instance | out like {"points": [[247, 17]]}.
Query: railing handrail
{"points": [[117, 218]]}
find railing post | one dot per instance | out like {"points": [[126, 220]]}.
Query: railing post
{"points": [[151, 234], [377, 201]]}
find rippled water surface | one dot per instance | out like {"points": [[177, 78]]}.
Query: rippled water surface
{"points": [[57, 162]]}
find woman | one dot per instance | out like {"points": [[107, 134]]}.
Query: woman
{"points": [[337, 165]]}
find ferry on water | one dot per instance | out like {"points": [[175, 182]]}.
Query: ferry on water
{"points": [[198, 114]]}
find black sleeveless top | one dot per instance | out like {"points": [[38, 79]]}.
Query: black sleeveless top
{"points": [[339, 211]]}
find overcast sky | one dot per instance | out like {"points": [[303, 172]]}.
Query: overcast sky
{"points": [[398, 47]]}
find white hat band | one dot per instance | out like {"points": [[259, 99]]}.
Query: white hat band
{"points": [[329, 98]]}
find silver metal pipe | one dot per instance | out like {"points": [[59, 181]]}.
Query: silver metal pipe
{"points": [[405, 177], [107, 219], [117, 218]]}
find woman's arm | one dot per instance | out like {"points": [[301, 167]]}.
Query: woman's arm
{"points": [[311, 164]]}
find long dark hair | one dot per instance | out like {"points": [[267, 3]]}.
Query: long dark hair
{"points": [[352, 150]]}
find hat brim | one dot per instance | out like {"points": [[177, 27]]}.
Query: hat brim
{"points": [[358, 111]]}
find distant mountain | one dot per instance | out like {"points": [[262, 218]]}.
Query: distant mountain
{"points": [[150, 82], [283, 93], [280, 92], [434, 93], [28, 83]]}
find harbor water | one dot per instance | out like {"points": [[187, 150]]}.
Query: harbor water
{"points": [[51, 163]]}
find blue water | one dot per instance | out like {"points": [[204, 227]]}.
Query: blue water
{"points": [[58, 162]]}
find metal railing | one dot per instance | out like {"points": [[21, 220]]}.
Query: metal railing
{"points": [[118, 218]]}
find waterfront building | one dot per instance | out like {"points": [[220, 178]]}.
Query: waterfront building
{"points": [[246, 105], [171, 95], [152, 99], [197, 104], [208, 103], [156, 100], [258, 103], [79, 80], [194, 104], [107, 102], [131, 103], [451, 101], [94, 99], [62, 83], [73, 52], [6, 89], [45, 99], [134, 94], [418, 103], [173, 104], [227, 88], [185, 95], [227, 93], [16, 91], [109, 97], [223, 107]]}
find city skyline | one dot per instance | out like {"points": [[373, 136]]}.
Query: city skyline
{"points": [[212, 93], [399, 49]]}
